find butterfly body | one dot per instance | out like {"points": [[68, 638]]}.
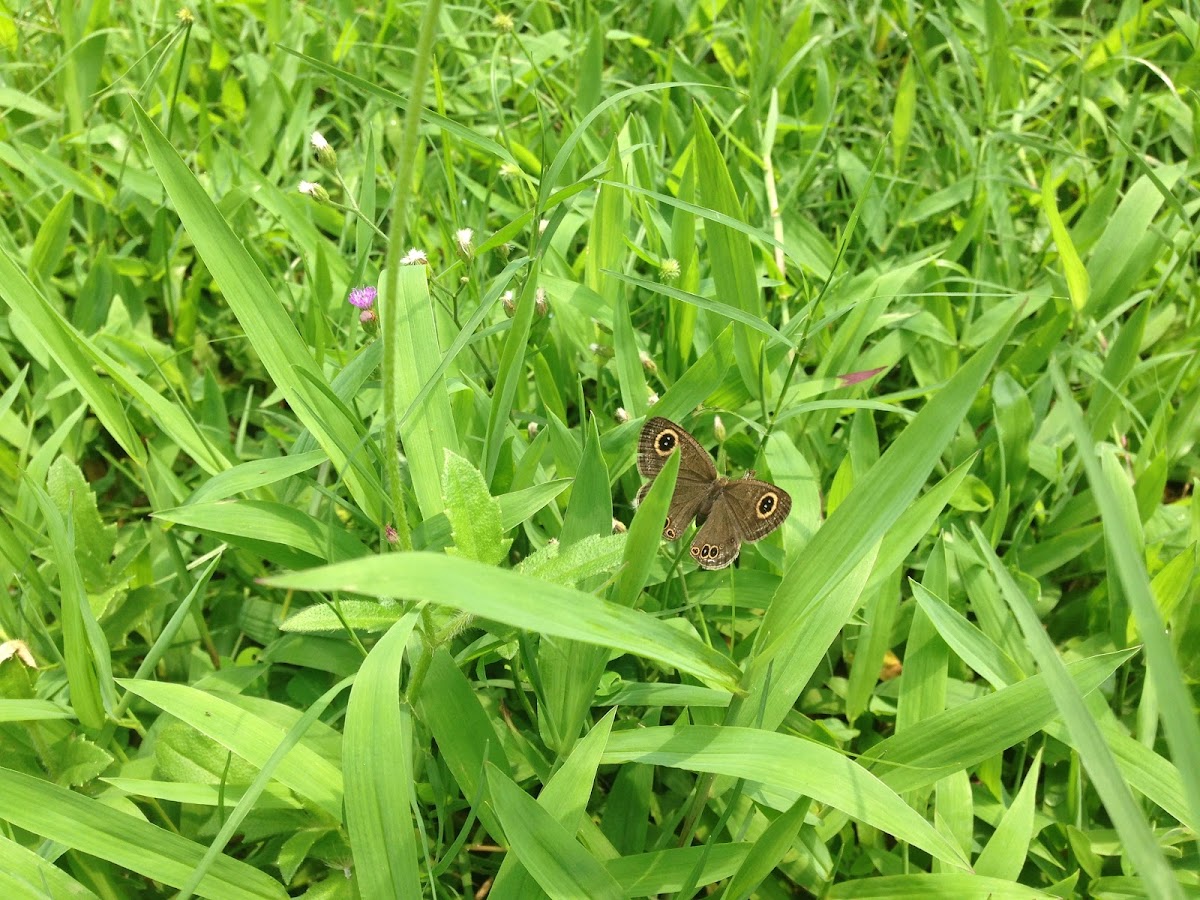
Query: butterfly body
{"points": [[731, 510]]}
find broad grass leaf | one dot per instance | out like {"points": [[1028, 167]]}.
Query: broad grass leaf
{"points": [[662, 871], [92, 827], [565, 797], [86, 652], [465, 735], [249, 736], [767, 851], [786, 763], [535, 606], [283, 534], [961, 737], [1078, 284], [973, 647], [549, 852], [428, 428], [510, 372], [249, 476], [25, 874], [645, 535], [377, 762], [1005, 853], [952, 886], [729, 251]]}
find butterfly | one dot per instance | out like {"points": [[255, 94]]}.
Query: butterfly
{"points": [[732, 510]]}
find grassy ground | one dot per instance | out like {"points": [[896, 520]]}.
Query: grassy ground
{"points": [[930, 268]]}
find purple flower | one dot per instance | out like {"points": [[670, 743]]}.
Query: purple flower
{"points": [[363, 297]]}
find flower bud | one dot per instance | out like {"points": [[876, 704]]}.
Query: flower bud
{"points": [[315, 191], [325, 154]]}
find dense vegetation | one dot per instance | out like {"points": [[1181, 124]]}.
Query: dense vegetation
{"points": [[930, 268]]}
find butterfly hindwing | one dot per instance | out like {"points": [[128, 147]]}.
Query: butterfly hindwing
{"points": [[716, 544], [758, 507]]}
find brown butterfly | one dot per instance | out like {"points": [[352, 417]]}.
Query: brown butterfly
{"points": [[732, 510]]}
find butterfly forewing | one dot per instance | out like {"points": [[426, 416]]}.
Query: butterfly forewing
{"points": [[659, 439]]}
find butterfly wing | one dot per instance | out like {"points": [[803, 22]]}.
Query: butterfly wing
{"points": [[758, 507], [658, 440], [746, 510], [717, 544], [697, 474]]}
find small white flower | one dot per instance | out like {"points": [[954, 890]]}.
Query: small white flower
{"points": [[540, 305], [621, 415], [508, 299], [618, 526], [325, 153], [415, 257], [532, 428], [543, 225], [314, 190], [652, 399], [508, 170], [719, 429], [463, 238], [647, 363]]}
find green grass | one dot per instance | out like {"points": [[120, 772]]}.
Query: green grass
{"points": [[931, 268]]}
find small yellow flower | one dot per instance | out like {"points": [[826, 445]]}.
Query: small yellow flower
{"points": [[503, 22], [669, 269], [184, 16]]}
